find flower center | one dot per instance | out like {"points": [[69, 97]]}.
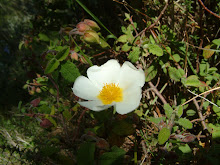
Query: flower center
{"points": [[109, 93]]}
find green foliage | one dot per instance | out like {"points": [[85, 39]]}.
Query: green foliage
{"points": [[69, 71], [115, 156], [50, 125], [163, 136], [85, 154]]}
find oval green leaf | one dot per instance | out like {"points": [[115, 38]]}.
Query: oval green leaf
{"points": [[69, 71], [52, 65], [163, 136], [185, 123], [62, 55]]}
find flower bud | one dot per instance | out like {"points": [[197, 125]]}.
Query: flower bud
{"points": [[38, 90], [82, 27], [73, 55], [91, 37], [92, 24]]}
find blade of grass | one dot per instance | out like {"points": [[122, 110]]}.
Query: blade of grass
{"points": [[94, 17]]}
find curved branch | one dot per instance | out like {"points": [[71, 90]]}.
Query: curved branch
{"points": [[200, 1]]}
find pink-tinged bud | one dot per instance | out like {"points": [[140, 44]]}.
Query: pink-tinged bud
{"points": [[73, 55], [38, 90], [91, 37], [82, 27], [46, 123], [92, 24]]}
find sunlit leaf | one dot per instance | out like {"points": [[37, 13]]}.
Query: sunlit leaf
{"points": [[190, 112], [122, 38], [168, 110], [185, 123], [163, 136], [193, 80], [155, 49], [207, 53], [216, 42], [134, 54]]}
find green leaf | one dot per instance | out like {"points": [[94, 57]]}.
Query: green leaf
{"points": [[168, 110], [203, 68], [43, 37], [52, 65], [216, 42], [69, 71], [156, 120], [217, 109], [67, 115], [62, 55], [176, 57], [150, 73], [122, 38], [180, 111], [185, 123], [52, 112], [155, 49], [175, 74], [185, 149], [163, 136], [123, 128], [207, 53], [190, 112], [85, 154], [134, 54], [104, 44], [126, 47], [193, 81], [114, 157], [215, 131]]}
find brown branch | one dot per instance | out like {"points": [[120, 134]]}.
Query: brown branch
{"points": [[161, 13], [200, 1], [157, 92], [200, 114]]}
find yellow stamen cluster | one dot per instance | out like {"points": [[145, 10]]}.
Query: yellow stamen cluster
{"points": [[109, 93]]}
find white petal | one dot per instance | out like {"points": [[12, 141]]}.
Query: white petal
{"points": [[85, 89], [131, 100], [106, 73], [94, 105], [130, 75]]}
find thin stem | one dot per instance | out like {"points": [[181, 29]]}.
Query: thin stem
{"points": [[208, 9], [157, 92], [200, 114]]}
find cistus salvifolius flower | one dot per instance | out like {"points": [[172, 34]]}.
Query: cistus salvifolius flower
{"points": [[111, 85]]}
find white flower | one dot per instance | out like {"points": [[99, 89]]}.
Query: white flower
{"points": [[111, 85]]}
